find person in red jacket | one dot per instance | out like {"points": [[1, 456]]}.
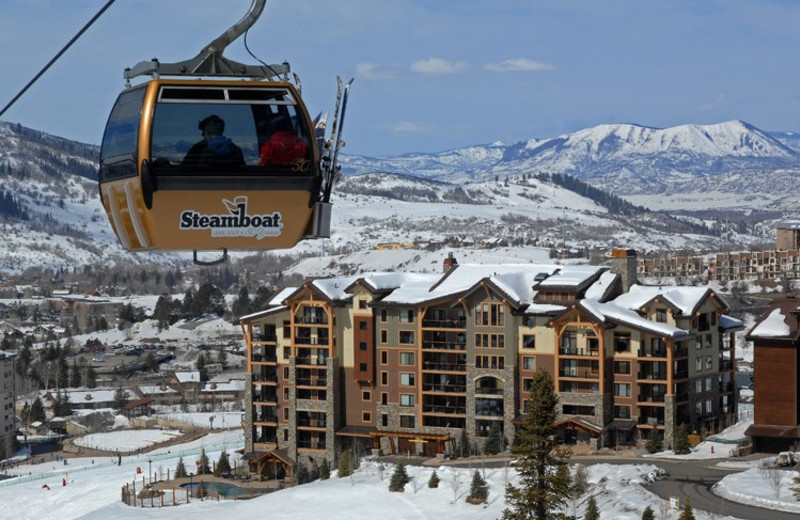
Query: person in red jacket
{"points": [[283, 145]]}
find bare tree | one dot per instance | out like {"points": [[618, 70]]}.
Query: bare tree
{"points": [[455, 483], [775, 479]]}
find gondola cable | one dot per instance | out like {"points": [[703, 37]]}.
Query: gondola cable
{"points": [[57, 56]]}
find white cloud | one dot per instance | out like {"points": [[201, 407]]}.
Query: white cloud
{"points": [[375, 72], [438, 67], [411, 128], [518, 65], [713, 104]]}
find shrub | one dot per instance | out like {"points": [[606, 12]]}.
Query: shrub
{"points": [[433, 482], [399, 479], [478, 489]]}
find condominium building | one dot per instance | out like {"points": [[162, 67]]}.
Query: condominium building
{"points": [[8, 422], [408, 363]]}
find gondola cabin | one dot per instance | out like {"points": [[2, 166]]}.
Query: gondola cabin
{"points": [[210, 164]]}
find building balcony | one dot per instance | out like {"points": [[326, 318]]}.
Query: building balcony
{"points": [[652, 353], [269, 379], [579, 374], [575, 351], [429, 366], [656, 376], [444, 324], [726, 387], [444, 410], [310, 445], [725, 365], [266, 420], [265, 338], [448, 389], [311, 361], [444, 345], [311, 381], [311, 320], [651, 421], [312, 423], [265, 358], [654, 398]]}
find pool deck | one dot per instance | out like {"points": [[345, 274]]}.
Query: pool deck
{"points": [[262, 486]]}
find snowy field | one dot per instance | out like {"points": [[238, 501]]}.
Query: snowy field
{"points": [[93, 490], [125, 440]]}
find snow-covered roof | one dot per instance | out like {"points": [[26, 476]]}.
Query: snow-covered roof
{"points": [[234, 385], [616, 313], [684, 298], [93, 395], [156, 390], [188, 377], [774, 325], [599, 288]]}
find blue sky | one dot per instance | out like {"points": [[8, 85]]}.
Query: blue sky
{"points": [[433, 75]]}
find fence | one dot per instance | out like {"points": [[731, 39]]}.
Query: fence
{"points": [[149, 497]]}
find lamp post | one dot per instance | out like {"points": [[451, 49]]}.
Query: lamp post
{"points": [[191, 488], [150, 470]]}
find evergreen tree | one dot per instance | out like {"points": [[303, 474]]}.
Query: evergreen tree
{"points": [[150, 362], [203, 468], [201, 366], [399, 479], [162, 312], [75, 379], [121, 397], [687, 513], [37, 411], [222, 357], [91, 377], [345, 464], [433, 482], [180, 470], [681, 445], [494, 443], [543, 489], [463, 443], [648, 514], [654, 443], [301, 473], [324, 470], [592, 513], [478, 489], [242, 305], [223, 464]]}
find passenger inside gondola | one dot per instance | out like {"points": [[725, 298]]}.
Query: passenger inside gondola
{"points": [[214, 149], [283, 146]]}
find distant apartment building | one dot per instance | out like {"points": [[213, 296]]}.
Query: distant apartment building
{"points": [[407, 362], [8, 421], [788, 235]]}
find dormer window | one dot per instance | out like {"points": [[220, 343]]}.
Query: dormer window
{"points": [[661, 315]]}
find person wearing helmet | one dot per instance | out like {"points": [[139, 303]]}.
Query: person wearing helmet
{"points": [[214, 149]]}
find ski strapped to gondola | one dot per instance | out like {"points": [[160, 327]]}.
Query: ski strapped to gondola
{"points": [[334, 143]]}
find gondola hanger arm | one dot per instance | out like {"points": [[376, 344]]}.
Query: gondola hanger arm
{"points": [[210, 61]]}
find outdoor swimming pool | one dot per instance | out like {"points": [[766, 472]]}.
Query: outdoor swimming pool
{"points": [[224, 489]]}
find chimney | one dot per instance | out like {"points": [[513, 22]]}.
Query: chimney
{"points": [[449, 263], [623, 263]]}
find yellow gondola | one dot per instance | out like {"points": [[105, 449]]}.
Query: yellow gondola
{"points": [[229, 160]]}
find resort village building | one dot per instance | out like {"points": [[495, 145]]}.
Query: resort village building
{"points": [[8, 422], [410, 363]]}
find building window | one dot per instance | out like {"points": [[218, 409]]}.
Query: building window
{"points": [[622, 412], [287, 329], [287, 352], [362, 304], [593, 343], [529, 320], [529, 341], [407, 421], [490, 340], [285, 434], [384, 378], [708, 384], [709, 363], [622, 367], [384, 315], [698, 364], [384, 357], [384, 420], [406, 337], [384, 398], [622, 342], [285, 414], [285, 394], [661, 315], [366, 416], [286, 373], [622, 389], [362, 345], [384, 336], [490, 314], [407, 316], [527, 384], [362, 324], [362, 367], [406, 358], [529, 363], [406, 379], [406, 399], [366, 395], [569, 342], [698, 385]]}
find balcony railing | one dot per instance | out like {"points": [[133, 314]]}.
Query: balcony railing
{"points": [[313, 361], [489, 412], [444, 345], [583, 374], [643, 419], [311, 381], [428, 366], [265, 398], [655, 398], [574, 351], [266, 419], [658, 376], [262, 358], [453, 389], [657, 353], [452, 410], [312, 423], [267, 337], [258, 378], [489, 391], [311, 320], [444, 324], [311, 445]]}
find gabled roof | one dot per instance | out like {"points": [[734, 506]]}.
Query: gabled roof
{"points": [[781, 322], [685, 300], [613, 313]]}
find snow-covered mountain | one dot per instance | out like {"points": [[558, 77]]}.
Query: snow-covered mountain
{"points": [[734, 162], [515, 194]]}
